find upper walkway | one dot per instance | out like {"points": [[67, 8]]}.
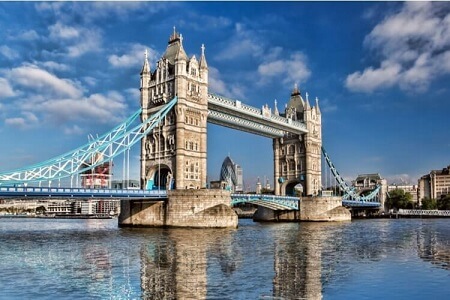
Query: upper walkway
{"points": [[237, 115]]}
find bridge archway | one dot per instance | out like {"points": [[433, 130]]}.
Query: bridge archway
{"points": [[160, 177], [288, 188]]}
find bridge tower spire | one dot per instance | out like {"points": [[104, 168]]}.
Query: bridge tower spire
{"points": [[173, 156]]}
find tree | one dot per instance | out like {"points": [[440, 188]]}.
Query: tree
{"points": [[399, 199], [444, 203], [428, 203], [40, 209]]}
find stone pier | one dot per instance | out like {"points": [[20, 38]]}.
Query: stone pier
{"points": [[185, 208], [323, 209]]}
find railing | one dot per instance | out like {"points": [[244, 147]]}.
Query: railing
{"points": [[258, 113], [42, 192], [420, 212]]}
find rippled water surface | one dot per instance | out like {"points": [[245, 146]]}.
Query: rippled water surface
{"points": [[94, 259]]}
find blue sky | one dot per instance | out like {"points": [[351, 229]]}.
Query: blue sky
{"points": [[381, 71]]}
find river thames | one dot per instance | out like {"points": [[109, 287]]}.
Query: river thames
{"points": [[94, 259]]}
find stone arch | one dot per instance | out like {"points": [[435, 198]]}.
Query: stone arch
{"points": [[287, 188], [159, 177]]}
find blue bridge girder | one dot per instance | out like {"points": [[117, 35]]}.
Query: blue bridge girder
{"points": [[269, 201], [46, 193]]}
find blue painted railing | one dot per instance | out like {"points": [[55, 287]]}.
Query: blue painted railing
{"points": [[52, 192]]}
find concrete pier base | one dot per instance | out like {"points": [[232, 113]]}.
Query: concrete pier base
{"points": [[321, 209], [184, 208]]}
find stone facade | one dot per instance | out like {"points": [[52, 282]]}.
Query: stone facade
{"points": [[297, 158], [173, 155]]}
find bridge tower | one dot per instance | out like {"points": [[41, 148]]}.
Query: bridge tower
{"points": [[297, 158], [173, 155]]}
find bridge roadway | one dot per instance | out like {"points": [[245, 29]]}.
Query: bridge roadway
{"points": [[31, 193], [269, 201]]}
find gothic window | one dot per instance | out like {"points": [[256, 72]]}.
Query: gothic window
{"points": [[186, 120], [291, 149], [291, 165], [284, 168], [283, 152], [196, 122]]}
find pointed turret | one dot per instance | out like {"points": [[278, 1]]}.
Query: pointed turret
{"points": [[203, 64], [146, 67], [317, 106], [275, 110], [307, 106], [295, 91], [175, 50]]}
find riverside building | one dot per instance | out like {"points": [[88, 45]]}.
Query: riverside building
{"points": [[434, 185]]}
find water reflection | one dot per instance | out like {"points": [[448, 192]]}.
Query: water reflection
{"points": [[298, 263], [40, 259], [175, 266], [434, 247]]}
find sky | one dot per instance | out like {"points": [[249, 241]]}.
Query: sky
{"points": [[381, 72]]}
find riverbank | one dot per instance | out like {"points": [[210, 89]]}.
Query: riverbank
{"points": [[58, 216]]}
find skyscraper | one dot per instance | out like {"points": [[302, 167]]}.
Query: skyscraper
{"points": [[232, 174]]}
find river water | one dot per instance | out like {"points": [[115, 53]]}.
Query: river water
{"points": [[94, 259]]}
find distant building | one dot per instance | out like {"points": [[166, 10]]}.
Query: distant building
{"points": [[434, 185], [412, 189], [232, 174], [124, 184], [258, 187], [366, 182]]}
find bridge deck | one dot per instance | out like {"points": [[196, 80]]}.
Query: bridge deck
{"points": [[51, 192]]}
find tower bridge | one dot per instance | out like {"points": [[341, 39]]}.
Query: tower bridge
{"points": [[176, 106]]}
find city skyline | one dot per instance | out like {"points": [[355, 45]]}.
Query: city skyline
{"points": [[379, 69]]}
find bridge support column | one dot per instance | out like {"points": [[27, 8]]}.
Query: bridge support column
{"points": [[184, 208], [323, 209], [327, 209]]}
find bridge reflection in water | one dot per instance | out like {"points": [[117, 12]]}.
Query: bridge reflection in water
{"points": [[193, 265], [96, 260]]}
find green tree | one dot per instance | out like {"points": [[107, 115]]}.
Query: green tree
{"points": [[40, 209], [428, 203], [444, 203], [399, 199]]}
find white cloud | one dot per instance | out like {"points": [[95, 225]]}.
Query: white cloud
{"points": [[31, 76], [293, 69], [243, 42], [73, 130], [5, 89], [371, 79], [134, 57], [218, 86], [60, 31], [27, 121], [8, 52], [53, 65], [75, 40], [414, 47], [96, 108]]}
